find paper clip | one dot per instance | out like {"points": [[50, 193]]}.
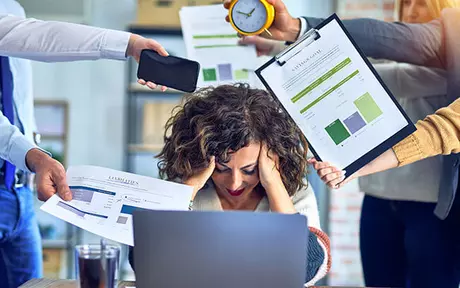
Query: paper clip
{"points": [[295, 48]]}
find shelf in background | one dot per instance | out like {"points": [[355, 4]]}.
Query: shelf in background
{"points": [[145, 147], [158, 30], [54, 244], [136, 87]]}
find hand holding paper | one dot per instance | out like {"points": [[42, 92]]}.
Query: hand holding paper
{"points": [[104, 199]]}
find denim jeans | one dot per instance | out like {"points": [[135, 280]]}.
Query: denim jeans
{"points": [[20, 242], [404, 244]]}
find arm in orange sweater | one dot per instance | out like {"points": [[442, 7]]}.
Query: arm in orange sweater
{"points": [[437, 134]]}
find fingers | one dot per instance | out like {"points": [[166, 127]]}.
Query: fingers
{"points": [[227, 4], [154, 45], [333, 179], [248, 40], [44, 192], [329, 174], [52, 180], [151, 85], [62, 187], [212, 162]]}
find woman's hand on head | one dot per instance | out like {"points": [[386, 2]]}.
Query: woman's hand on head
{"points": [[269, 173], [198, 180]]}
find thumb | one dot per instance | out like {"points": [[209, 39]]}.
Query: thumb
{"points": [[278, 5], [154, 45], [212, 163], [62, 187], [249, 40]]}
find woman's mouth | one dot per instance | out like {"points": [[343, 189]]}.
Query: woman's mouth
{"points": [[235, 192]]}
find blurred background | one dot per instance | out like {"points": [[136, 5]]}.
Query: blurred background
{"points": [[95, 113]]}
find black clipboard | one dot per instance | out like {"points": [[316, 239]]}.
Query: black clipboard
{"points": [[303, 42]]}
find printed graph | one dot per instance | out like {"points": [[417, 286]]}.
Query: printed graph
{"points": [[337, 132], [368, 108], [354, 122], [79, 212]]}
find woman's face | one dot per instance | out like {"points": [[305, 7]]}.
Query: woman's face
{"points": [[240, 175], [415, 11]]}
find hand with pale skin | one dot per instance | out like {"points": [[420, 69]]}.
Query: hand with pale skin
{"points": [[270, 178], [334, 178], [138, 43], [198, 180], [284, 27], [264, 47]]}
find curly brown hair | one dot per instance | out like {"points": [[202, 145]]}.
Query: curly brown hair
{"points": [[217, 121]]}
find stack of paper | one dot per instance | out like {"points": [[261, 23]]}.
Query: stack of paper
{"points": [[213, 42], [104, 200]]}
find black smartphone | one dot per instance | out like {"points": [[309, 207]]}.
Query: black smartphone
{"points": [[171, 71]]}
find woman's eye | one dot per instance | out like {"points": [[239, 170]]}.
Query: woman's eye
{"points": [[249, 172]]}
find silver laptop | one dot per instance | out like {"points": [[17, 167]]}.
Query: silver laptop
{"points": [[197, 249]]}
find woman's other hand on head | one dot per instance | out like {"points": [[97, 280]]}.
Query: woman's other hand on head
{"points": [[198, 180], [269, 173]]}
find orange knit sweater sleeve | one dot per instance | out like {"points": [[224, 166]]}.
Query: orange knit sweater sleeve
{"points": [[437, 134]]}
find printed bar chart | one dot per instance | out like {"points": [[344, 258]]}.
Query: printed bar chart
{"points": [[368, 108], [337, 132]]}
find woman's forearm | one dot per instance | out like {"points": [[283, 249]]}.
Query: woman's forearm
{"points": [[279, 199], [385, 161]]}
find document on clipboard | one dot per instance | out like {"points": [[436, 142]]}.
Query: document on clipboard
{"points": [[330, 89]]}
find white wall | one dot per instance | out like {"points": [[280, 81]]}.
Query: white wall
{"points": [[95, 91]]}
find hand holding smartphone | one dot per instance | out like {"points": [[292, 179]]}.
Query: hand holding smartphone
{"points": [[170, 71]]}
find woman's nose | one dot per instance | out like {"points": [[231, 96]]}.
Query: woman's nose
{"points": [[236, 181]]}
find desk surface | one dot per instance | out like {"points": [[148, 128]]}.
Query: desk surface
{"points": [[50, 283]]}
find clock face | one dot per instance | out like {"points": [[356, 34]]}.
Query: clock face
{"points": [[249, 15]]}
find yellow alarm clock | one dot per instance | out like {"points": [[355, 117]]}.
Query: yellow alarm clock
{"points": [[251, 17]]}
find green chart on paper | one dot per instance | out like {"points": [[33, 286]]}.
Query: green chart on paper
{"points": [[337, 131], [368, 108]]}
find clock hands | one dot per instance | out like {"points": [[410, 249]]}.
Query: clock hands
{"points": [[247, 14]]}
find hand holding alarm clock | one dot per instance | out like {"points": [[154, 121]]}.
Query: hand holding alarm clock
{"points": [[267, 18]]}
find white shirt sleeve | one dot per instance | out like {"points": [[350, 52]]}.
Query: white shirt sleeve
{"points": [[53, 41], [13, 144]]}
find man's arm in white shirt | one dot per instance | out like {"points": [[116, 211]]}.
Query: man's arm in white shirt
{"points": [[52, 41], [13, 144]]}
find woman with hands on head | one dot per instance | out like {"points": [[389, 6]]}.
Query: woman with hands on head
{"points": [[241, 151]]}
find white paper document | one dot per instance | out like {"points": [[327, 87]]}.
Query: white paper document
{"points": [[333, 96], [104, 200], [212, 42]]}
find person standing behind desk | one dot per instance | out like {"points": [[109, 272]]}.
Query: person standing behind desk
{"points": [[397, 209]]}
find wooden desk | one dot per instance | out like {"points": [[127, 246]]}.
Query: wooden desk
{"points": [[49, 283]]}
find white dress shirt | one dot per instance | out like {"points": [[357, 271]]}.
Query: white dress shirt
{"points": [[46, 41]]}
